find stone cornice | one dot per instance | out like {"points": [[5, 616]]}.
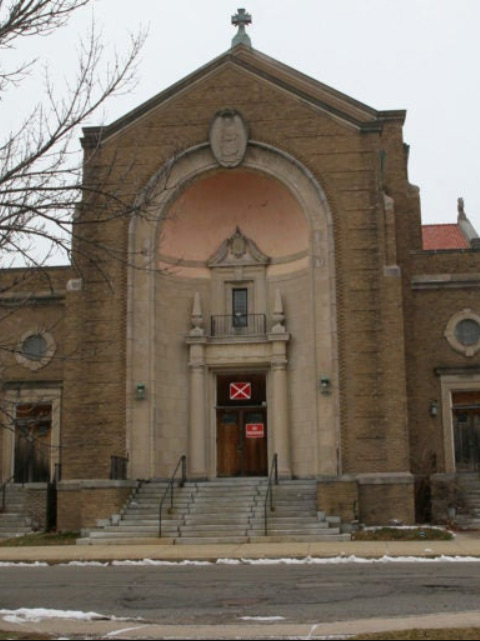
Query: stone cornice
{"points": [[446, 281]]}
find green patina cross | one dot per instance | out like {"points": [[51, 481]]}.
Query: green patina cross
{"points": [[241, 19]]}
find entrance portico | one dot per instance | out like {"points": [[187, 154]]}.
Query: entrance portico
{"points": [[219, 438], [237, 254]]}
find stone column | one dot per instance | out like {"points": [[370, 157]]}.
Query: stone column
{"points": [[279, 416], [197, 447]]}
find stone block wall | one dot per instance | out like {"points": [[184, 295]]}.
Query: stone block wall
{"points": [[338, 497], [80, 504], [36, 505], [445, 497], [384, 499]]}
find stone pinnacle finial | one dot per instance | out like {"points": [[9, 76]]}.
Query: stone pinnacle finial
{"points": [[241, 19], [461, 208]]}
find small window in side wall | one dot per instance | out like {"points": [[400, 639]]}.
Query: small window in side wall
{"points": [[240, 306]]}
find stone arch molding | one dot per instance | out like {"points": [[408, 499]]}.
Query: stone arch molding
{"points": [[161, 191]]}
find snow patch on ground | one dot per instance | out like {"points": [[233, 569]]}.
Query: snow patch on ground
{"points": [[308, 560], [24, 615], [152, 562], [262, 618], [8, 564], [357, 559]]}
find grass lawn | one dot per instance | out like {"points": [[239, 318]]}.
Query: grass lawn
{"points": [[46, 538], [449, 634], [403, 534], [23, 636]]}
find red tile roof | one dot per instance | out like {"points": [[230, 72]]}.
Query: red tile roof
{"points": [[443, 237]]}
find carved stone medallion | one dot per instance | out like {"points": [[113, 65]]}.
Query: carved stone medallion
{"points": [[228, 138], [238, 250]]}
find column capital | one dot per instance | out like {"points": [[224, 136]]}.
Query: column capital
{"points": [[279, 363], [196, 367]]}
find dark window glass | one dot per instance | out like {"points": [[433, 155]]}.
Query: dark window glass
{"points": [[467, 332], [240, 307], [34, 347]]}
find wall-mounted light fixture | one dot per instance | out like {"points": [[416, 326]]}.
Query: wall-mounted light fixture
{"points": [[141, 391], [325, 385], [433, 408]]}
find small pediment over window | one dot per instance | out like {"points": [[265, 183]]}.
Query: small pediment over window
{"points": [[238, 250]]}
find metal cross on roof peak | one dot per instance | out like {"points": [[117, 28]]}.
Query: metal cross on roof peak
{"points": [[241, 19]]}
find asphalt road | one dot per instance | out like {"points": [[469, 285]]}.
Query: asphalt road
{"points": [[223, 594]]}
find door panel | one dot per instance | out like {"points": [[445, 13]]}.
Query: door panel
{"points": [[466, 429], [255, 461], [228, 443], [239, 454], [33, 443]]}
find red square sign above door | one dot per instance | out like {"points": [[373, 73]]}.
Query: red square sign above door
{"points": [[240, 391]]}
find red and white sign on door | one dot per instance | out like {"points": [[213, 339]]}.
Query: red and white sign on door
{"points": [[254, 430], [240, 391]]}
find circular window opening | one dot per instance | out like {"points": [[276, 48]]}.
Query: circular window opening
{"points": [[467, 332], [34, 347]]}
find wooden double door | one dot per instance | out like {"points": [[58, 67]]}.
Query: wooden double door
{"points": [[466, 429], [242, 442], [242, 434], [33, 427]]}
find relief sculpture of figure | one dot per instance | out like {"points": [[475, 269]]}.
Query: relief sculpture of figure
{"points": [[228, 138]]}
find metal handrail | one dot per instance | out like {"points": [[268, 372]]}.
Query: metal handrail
{"points": [[183, 462], [269, 494], [3, 490], [237, 325]]}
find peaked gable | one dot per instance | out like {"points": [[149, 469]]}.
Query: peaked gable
{"points": [[316, 94]]}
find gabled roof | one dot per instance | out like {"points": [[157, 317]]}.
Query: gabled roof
{"points": [[445, 236], [313, 92]]}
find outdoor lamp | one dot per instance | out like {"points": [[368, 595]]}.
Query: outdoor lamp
{"points": [[433, 408], [325, 385]]}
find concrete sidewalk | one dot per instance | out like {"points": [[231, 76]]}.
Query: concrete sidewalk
{"points": [[466, 544], [246, 630]]}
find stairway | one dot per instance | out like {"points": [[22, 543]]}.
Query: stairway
{"points": [[468, 509], [220, 511], [13, 522]]}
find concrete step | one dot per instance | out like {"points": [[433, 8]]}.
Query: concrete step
{"points": [[299, 538], [225, 510], [272, 529], [151, 529], [127, 541], [290, 525], [202, 530], [127, 520], [223, 501], [134, 534], [200, 519], [209, 540], [6, 517], [13, 534]]}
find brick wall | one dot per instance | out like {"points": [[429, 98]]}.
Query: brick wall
{"points": [[36, 499], [80, 505], [346, 164], [338, 497], [383, 500]]}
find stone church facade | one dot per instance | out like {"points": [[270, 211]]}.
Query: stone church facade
{"points": [[271, 293]]}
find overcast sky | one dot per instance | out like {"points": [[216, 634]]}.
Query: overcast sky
{"points": [[418, 55]]}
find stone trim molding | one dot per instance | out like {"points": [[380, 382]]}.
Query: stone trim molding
{"points": [[452, 383], [94, 484], [450, 335], [51, 348], [445, 281], [164, 187]]}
